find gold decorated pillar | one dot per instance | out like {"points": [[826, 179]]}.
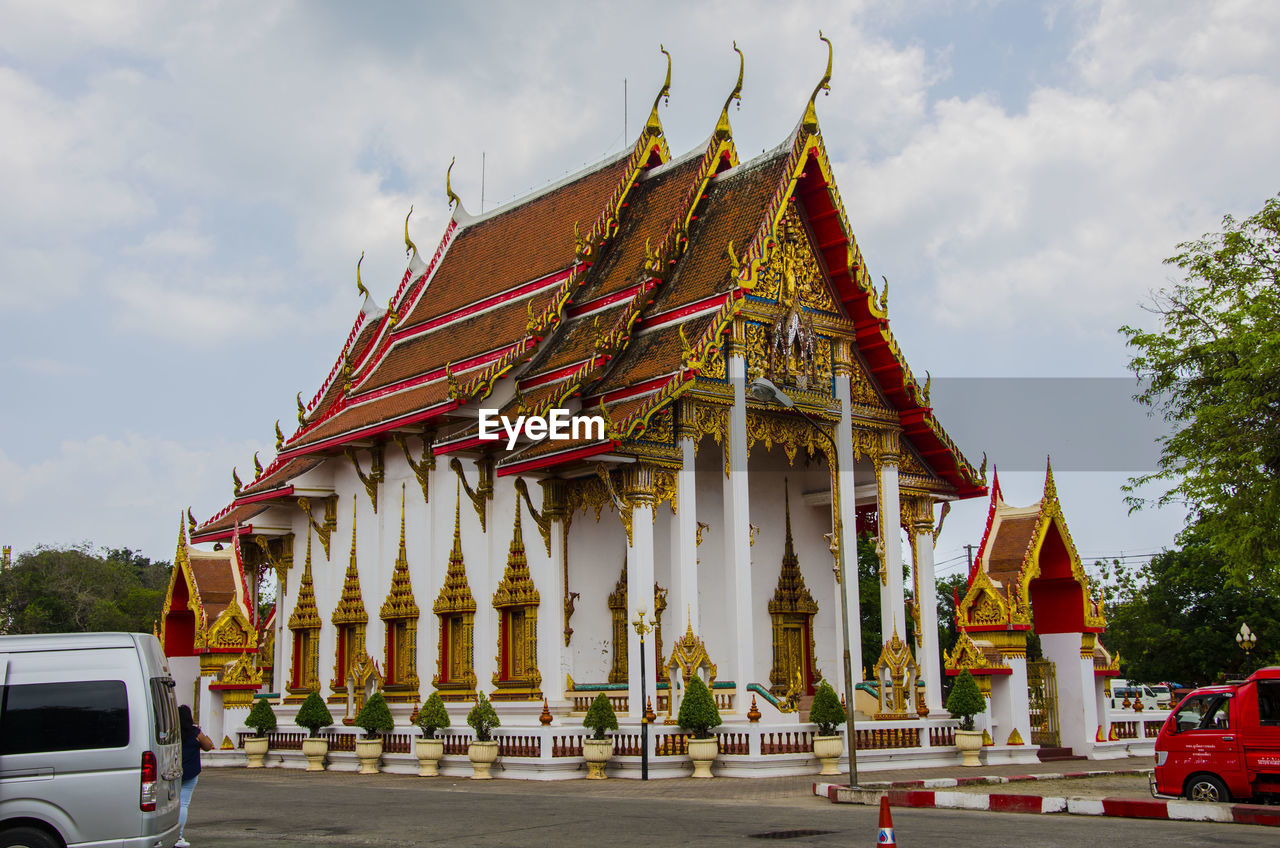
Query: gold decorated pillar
{"points": [[639, 490], [926, 596], [893, 622]]}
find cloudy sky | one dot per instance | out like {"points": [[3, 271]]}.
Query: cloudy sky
{"points": [[187, 187]]}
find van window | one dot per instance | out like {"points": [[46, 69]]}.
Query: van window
{"points": [[164, 707], [1269, 703], [1204, 712], [41, 717]]}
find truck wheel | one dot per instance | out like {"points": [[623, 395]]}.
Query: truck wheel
{"points": [[27, 837], [1206, 787]]}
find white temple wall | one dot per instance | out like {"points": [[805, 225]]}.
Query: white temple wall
{"points": [[597, 551]]}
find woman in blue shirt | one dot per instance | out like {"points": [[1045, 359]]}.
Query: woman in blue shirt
{"points": [[193, 742]]}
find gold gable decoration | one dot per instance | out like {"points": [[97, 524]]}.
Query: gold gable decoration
{"points": [[231, 631], [400, 612], [792, 609], [455, 676], [516, 600], [690, 654], [983, 604], [350, 619], [182, 571], [895, 672], [791, 271], [304, 623]]}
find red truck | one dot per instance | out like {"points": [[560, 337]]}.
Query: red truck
{"points": [[1223, 742]]}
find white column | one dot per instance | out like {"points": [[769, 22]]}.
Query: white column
{"points": [[845, 502], [1077, 699], [1010, 704], [892, 599], [640, 589], [737, 530], [927, 598], [684, 589], [553, 659]]}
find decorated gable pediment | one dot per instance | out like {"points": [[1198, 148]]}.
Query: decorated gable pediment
{"points": [[231, 631], [984, 605]]}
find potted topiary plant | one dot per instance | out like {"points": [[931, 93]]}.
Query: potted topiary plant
{"points": [[965, 702], [827, 713], [698, 714], [313, 715], [429, 749], [263, 720], [599, 748], [375, 718], [483, 751]]}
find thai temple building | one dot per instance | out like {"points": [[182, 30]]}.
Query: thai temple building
{"points": [[408, 551]]}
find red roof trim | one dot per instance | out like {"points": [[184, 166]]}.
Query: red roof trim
{"points": [[374, 429], [552, 376], [605, 301], [651, 385], [556, 458], [431, 376], [463, 312], [269, 494], [671, 316], [461, 444], [220, 535]]}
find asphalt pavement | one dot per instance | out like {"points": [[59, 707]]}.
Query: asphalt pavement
{"points": [[238, 808]]}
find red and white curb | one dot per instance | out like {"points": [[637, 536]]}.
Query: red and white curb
{"points": [[947, 782], [1130, 808]]}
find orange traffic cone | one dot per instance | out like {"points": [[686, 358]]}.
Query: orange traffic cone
{"points": [[886, 825]]}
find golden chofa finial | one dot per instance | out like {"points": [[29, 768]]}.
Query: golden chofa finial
{"points": [[810, 120], [409, 247], [302, 411], [360, 283], [654, 124], [723, 130], [448, 186], [257, 466], [235, 479], [279, 436]]}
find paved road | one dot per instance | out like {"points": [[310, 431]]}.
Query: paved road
{"points": [[238, 808]]}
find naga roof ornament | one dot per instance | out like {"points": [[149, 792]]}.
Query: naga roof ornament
{"points": [[360, 287], [654, 124], [409, 247], [723, 129], [810, 120], [454, 200]]}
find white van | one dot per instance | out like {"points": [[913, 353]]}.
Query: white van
{"points": [[90, 747]]}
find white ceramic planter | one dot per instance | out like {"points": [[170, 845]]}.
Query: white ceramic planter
{"points": [[970, 743], [597, 753], [703, 753], [256, 750], [315, 750], [369, 751], [428, 752], [828, 750], [482, 755]]}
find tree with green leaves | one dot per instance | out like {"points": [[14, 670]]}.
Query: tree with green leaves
{"points": [[78, 590], [826, 711], [965, 700], [261, 718], [1212, 370], [1176, 617], [698, 713], [375, 716], [483, 718], [600, 716], [432, 716], [313, 715]]}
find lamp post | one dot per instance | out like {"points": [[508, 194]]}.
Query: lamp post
{"points": [[641, 629], [1246, 640], [766, 392]]}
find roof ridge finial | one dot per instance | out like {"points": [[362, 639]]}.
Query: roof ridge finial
{"points": [[409, 247], [810, 120], [351, 565], [457, 524], [360, 287], [786, 500], [1050, 487], [448, 187], [654, 124], [403, 558], [723, 129]]}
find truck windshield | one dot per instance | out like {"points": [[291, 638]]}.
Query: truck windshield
{"points": [[1204, 712]]}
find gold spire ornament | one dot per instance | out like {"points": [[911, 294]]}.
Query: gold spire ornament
{"points": [[454, 200], [257, 466], [279, 436], [359, 283], [654, 124], [810, 120], [235, 479], [409, 247], [191, 520], [302, 411], [723, 129]]}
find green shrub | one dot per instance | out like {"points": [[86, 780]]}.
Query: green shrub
{"points": [[965, 701], [375, 716], [600, 717], [313, 714], [261, 717], [826, 711], [698, 713], [483, 718], [432, 716]]}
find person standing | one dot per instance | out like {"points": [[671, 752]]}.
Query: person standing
{"points": [[193, 742]]}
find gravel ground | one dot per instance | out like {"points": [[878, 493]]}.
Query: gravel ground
{"points": [[1108, 786]]}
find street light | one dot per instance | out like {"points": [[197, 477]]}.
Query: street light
{"points": [[764, 391], [1246, 640], [643, 628]]}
